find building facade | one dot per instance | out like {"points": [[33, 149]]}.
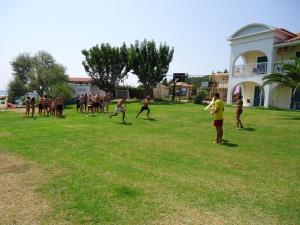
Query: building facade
{"points": [[82, 85], [256, 50], [218, 83]]}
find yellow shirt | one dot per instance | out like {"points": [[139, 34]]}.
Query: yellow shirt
{"points": [[219, 105]]}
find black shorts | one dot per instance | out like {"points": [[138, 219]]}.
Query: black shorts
{"points": [[144, 108], [41, 106], [59, 107]]}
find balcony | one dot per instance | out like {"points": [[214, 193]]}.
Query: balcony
{"points": [[250, 69], [278, 68]]}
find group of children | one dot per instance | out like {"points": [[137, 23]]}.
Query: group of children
{"points": [[46, 106], [98, 103], [92, 103]]}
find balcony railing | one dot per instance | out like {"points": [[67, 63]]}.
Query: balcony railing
{"points": [[250, 69], [278, 68]]}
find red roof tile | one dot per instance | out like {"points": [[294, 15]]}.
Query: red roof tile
{"points": [[296, 38]]}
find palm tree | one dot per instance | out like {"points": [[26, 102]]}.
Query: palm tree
{"points": [[289, 77]]}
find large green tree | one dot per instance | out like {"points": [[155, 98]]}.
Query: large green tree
{"points": [[149, 62], [106, 65], [290, 76], [35, 73]]}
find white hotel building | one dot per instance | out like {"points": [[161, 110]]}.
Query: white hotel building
{"points": [[255, 51]]}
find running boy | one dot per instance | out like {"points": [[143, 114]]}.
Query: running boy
{"points": [[121, 107], [218, 117], [145, 106]]}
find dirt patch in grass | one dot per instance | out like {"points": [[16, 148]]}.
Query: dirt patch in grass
{"points": [[4, 134], [188, 216], [20, 203]]}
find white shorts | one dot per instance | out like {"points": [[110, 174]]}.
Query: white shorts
{"points": [[120, 109]]}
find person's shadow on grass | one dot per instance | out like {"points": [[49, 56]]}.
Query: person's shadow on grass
{"points": [[122, 123], [250, 129], [228, 144], [149, 119]]}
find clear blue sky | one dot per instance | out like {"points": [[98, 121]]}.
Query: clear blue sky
{"points": [[197, 29]]}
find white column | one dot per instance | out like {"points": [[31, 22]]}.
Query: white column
{"points": [[267, 91]]}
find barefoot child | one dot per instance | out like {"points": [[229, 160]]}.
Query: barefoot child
{"points": [[218, 117], [90, 105], [121, 107], [239, 111], [32, 104], [145, 107], [27, 106], [41, 103], [46, 105]]}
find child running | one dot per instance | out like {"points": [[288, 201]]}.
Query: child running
{"points": [[218, 117], [121, 107], [145, 107], [239, 111]]}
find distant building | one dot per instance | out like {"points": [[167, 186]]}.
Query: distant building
{"points": [[83, 85], [161, 91], [256, 50], [218, 83], [183, 89]]}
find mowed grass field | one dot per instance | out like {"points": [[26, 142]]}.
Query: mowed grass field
{"points": [[165, 170]]}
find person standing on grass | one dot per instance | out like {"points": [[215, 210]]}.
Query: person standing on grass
{"points": [[81, 103], [90, 105], [32, 104], [77, 103], [59, 103], [239, 111], [85, 101], [41, 103], [218, 117], [145, 106], [105, 102], [46, 105], [27, 106], [121, 107]]}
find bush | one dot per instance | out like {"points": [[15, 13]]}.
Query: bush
{"points": [[199, 97], [134, 92]]}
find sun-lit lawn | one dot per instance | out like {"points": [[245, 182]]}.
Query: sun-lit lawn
{"points": [[165, 170]]}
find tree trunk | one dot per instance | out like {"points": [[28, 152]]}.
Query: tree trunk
{"points": [[148, 91]]}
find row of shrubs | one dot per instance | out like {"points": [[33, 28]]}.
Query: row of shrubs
{"points": [[139, 93]]}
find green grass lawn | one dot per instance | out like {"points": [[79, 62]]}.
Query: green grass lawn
{"points": [[165, 170]]}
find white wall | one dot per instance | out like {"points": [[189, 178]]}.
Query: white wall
{"points": [[281, 97], [161, 91]]}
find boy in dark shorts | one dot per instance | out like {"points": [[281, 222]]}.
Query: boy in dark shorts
{"points": [[239, 111], [77, 103], [145, 106], [41, 104], [59, 102], [46, 105], [121, 107], [27, 103], [85, 101], [32, 104], [218, 117]]}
